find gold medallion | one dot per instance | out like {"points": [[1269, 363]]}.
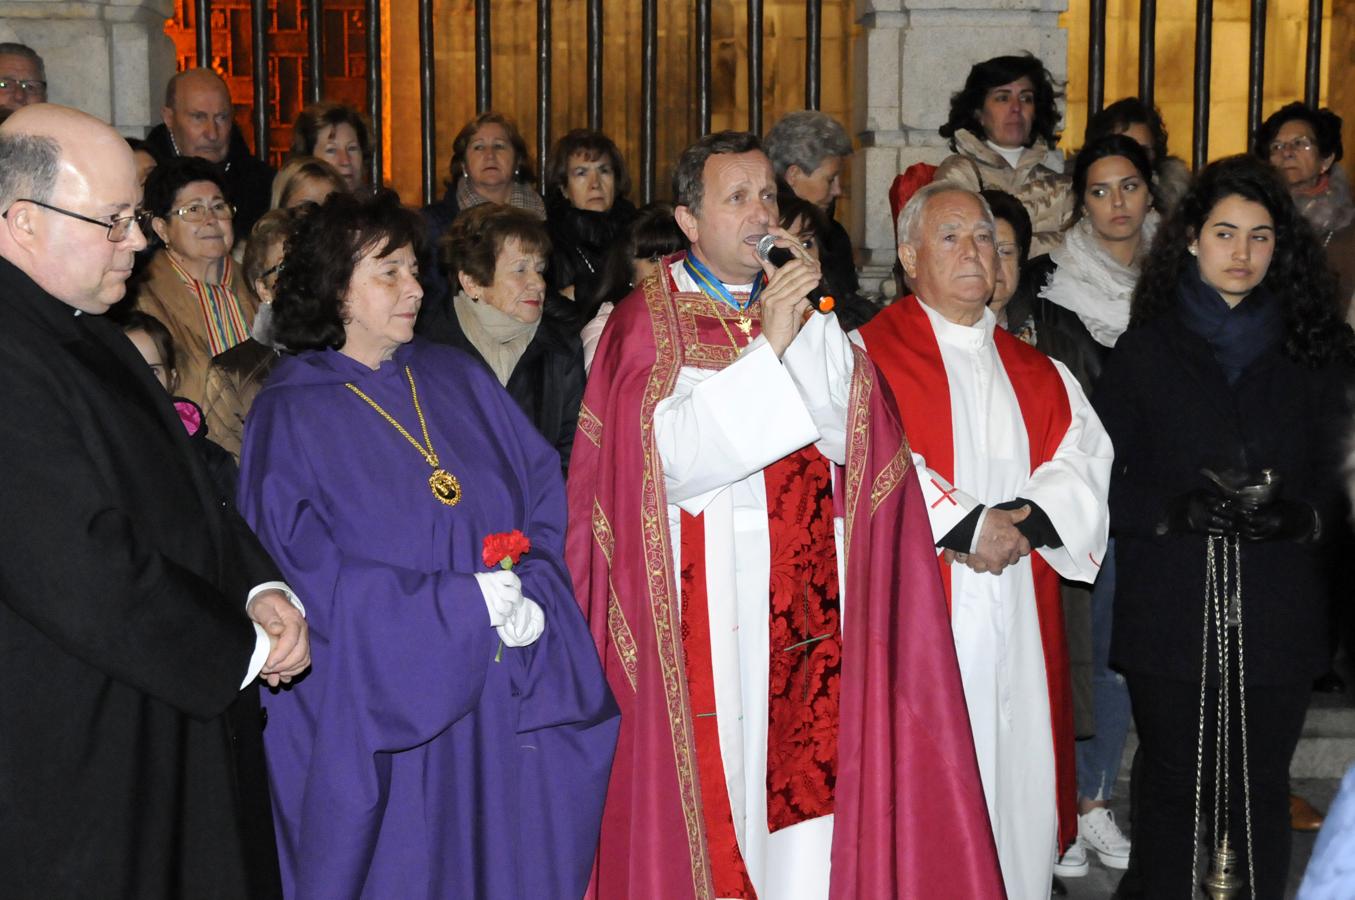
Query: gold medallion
{"points": [[745, 325], [445, 487]]}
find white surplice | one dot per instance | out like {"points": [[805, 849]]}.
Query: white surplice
{"points": [[715, 434], [993, 617]]}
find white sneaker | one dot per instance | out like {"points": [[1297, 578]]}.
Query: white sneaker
{"points": [[1098, 832], [1072, 864]]}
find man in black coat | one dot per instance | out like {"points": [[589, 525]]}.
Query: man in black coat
{"points": [[198, 120], [136, 608]]}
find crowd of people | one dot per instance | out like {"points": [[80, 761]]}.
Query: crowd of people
{"points": [[536, 545]]}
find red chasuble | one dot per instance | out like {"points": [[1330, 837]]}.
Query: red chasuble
{"points": [[910, 819], [903, 344]]}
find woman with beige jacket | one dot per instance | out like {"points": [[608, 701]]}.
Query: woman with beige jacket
{"points": [[1002, 129], [191, 283]]}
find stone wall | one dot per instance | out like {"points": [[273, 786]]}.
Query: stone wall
{"points": [[110, 58], [910, 57]]}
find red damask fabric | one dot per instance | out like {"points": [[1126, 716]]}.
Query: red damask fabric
{"points": [[806, 641]]}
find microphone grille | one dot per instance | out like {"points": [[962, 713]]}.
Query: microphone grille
{"points": [[765, 245]]}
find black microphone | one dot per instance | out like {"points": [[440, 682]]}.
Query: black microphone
{"points": [[818, 295]]}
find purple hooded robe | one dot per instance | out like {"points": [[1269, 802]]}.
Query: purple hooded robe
{"points": [[407, 762]]}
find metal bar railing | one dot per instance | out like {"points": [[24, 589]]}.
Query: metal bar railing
{"points": [[202, 28], [1256, 70], [755, 66], [1204, 45], [1147, 50], [542, 82], [702, 66], [315, 43], [1312, 73], [649, 133], [1096, 59], [594, 64], [483, 97], [258, 64], [813, 53], [427, 98], [375, 96]]}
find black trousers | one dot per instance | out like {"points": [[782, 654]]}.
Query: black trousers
{"points": [[1166, 713]]}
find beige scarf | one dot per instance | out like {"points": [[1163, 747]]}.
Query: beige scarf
{"points": [[500, 338]]}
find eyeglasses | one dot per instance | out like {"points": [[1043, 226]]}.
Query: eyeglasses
{"points": [[118, 229], [197, 213], [1299, 144], [29, 87]]}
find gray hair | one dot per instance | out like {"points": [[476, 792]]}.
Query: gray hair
{"points": [[689, 184], [910, 217], [28, 167], [805, 139], [10, 48]]}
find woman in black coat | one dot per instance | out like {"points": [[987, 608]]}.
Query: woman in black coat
{"points": [[495, 259], [1234, 363], [586, 213]]}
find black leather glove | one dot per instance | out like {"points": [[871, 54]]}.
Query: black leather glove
{"points": [[1280, 520], [1201, 511]]}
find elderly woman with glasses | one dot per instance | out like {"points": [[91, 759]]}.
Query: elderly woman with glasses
{"points": [[191, 283], [1304, 146]]}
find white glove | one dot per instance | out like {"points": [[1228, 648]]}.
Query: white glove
{"points": [[518, 619]]}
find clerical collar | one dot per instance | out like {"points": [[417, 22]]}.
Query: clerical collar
{"points": [[713, 287]]}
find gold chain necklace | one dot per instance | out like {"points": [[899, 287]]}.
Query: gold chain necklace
{"points": [[444, 484]]}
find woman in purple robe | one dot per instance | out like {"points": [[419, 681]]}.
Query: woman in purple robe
{"points": [[455, 734]]}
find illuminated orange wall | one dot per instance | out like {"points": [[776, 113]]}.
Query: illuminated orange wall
{"points": [[1286, 36], [513, 25]]}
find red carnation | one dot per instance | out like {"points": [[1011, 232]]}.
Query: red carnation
{"points": [[505, 549]]}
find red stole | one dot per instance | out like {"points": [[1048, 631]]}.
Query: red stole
{"points": [[909, 812], [903, 344]]}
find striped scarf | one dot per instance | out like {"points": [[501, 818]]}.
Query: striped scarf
{"points": [[220, 308]]}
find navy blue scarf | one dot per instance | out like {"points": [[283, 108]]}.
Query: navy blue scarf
{"points": [[1238, 335]]}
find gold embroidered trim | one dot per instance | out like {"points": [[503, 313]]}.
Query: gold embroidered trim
{"points": [[662, 582], [591, 426], [858, 440], [890, 477], [622, 639], [602, 532], [697, 353]]}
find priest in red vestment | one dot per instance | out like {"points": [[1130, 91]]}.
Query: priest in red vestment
{"points": [[1014, 468], [750, 547]]}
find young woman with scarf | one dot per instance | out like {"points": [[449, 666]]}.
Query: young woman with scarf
{"points": [[1082, 309], [1235, 361]]}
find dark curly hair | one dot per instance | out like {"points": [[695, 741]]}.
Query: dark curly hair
{"points": [[473, 244], [966, 105], [318, 261], [1326, 127], [592, 145], [1104, 148], [523, 172], [1120, 115], [1298, 275], [166, 180]]}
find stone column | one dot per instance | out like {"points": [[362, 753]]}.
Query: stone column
{"points": [[910, 56], [110, 58]]}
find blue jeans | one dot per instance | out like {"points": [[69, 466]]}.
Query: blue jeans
{"points": [[1098, 757]]}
